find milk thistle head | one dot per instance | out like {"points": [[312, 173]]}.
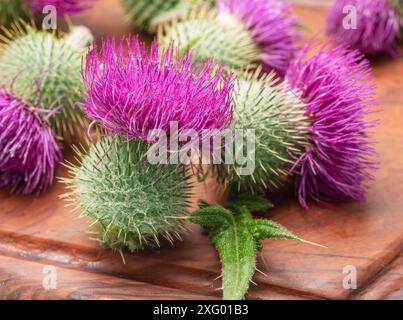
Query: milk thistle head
{"points": [[134, 203], [28, 150], [337, 88], [45, 70], [240, 34], [371, 26], [133, 90], [277, 117], [272, 27]]}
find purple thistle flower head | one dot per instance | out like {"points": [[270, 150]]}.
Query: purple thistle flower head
{"points": [[62, 6], [273, 27], [375, 30], [133, 89], [28, 150], [336, 85]]}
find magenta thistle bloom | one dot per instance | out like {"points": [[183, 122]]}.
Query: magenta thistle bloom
{"points": [[272, 26], [337, 88], [133, 90], [28, 150], [62, 6], [376, 29]]}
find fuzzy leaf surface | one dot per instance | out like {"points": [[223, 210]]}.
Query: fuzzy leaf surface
{"points": [[236, 237]]}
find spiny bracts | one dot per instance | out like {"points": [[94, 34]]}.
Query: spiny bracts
{"points": [[239, 34], [45, 71], [134, 90], [372, 27], [148, 15], [277, 117], [226, 40], [337, 88], [10, 11], [133, 202], [28, 150]]}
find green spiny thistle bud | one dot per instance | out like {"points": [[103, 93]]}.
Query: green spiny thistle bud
{"points": [[221, 37], [149, 14], [277, 117], [45, 71], [133, 202], [238, 34], [11, 10]]}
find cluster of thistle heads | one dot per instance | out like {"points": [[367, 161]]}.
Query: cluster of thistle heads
{"points": [[235, 33], [238, 34], [264, 31], [310, 126], [308, 111], [40, 84]]}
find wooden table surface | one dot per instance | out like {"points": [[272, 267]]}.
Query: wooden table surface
{"points": [[36, 232]]}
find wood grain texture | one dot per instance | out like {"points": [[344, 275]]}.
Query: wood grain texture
{"points": [[40, 231], [21, 279]]}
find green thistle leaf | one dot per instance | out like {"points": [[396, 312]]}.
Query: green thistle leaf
{"points": [[212, 217], [236, 237], [262, 229], [251, 201]]}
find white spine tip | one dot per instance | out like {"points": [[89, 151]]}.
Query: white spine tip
{"points": [[312, 243], [80, 37]]}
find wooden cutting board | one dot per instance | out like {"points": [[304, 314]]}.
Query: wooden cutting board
{"points": [[39, 235]]}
